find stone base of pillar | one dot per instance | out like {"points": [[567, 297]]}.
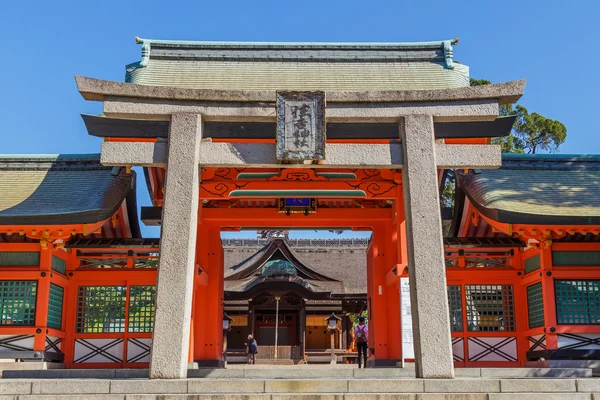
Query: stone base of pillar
{"points": [[384, 363], [210, 363]]}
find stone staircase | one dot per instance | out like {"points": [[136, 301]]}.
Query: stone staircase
{"points": [[306, 383]]}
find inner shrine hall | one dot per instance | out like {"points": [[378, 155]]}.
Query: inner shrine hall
{"points": [[233, 136]]}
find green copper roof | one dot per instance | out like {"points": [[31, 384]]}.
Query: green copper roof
{"points": [[298, 66], [538, 189], [278, 268]]}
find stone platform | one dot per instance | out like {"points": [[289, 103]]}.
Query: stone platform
{"points": [[302, 389], [297, 372]]}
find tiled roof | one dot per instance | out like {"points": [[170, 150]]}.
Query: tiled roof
{"points": [[349, 279], [298, 66], [61, 189], [538, 189]]}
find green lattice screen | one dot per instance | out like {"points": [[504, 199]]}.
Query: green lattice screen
{"points": [[490, 308], [535, 305], [101, 309], [455, 306], [17, 302], [577, 302], [19, 258], [532, 264], [59, 265], [55, 306], [575, 258], [141, 308]]}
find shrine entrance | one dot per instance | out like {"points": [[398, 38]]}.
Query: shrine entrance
{"points": [[297, 198]]}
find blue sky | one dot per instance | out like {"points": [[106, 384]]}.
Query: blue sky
{"points": [[551, 43]]}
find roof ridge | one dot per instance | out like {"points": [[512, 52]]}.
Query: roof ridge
{"points": [[298, 45], [434, 51], [550, 157], [50, 157]]}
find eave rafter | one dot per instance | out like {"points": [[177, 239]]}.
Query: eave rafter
{"points": [[540, 233], [56, 235]]}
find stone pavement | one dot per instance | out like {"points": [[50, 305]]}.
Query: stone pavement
{"points": [[302, 389]]}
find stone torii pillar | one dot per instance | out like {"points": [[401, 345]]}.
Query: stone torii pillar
{"points": [[175, 281], [425, 250]]}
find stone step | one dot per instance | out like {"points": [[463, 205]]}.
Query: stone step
{"points": [[299, 372], [307, 389], [26, 365], [320, 396]]}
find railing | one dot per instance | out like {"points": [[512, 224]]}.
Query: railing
{"points": [[299, 242], [283, 353]]}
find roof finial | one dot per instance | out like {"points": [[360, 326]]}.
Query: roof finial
{"points": [[448, 53], [145, 50]]}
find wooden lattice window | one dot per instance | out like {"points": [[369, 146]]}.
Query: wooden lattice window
{"points": [[17, 302], [141, 308], [101, 309], [532, 264], [577, 301], [59, 265], [490, 308], [535, 305], [455, 306], [55, 306]]}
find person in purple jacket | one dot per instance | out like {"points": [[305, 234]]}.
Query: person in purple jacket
{"points": [[361, 337]]}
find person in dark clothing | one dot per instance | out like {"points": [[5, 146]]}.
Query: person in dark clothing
{"points": [[251, 349], [361, 337]]}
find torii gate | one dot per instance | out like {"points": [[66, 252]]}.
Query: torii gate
{"points": [[417, 154]]}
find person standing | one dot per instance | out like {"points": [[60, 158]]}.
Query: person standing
{"points": [[361, 337], [251, 349]]}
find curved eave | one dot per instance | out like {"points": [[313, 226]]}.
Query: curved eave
{"points": [[60, 190], [82, 217], [97, 90], [515, 217]]}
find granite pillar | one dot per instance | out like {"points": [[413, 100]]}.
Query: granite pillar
{"points": [[171, 336], [425, 250]]}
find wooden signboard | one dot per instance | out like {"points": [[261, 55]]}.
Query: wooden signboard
{"points": [[300, 126]]}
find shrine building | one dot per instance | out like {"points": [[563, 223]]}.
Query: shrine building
{"points": [[347, 136]]}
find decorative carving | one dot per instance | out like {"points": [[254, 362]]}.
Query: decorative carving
{"points": [[303, 175], [367, 182], [219, 182], [300, 126]]}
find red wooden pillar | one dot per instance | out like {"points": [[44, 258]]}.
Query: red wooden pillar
{"points": [[208, 297], [521, 313], [43, 296], [548, 296], [70, 310], [371, 292], [393, 304], [384, 323]]}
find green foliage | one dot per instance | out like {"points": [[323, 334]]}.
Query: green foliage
{"points": [[536, 132], [447, 199], [479, 82], [355, 317], [531, 132]]}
